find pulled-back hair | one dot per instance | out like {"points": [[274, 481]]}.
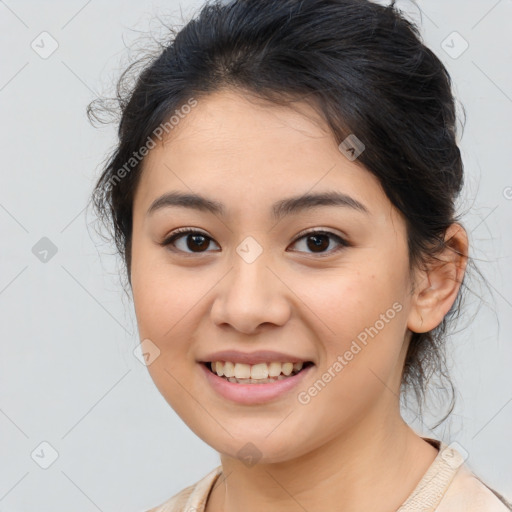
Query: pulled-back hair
{"points": [[365, 69]]}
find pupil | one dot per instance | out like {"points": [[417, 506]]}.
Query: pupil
{"points": [[203, 245], [318, 242]]}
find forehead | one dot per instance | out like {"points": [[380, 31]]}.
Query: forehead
{"points": [[245, 150]]}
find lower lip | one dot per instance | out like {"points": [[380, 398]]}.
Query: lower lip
{"points": [[253, 393]]}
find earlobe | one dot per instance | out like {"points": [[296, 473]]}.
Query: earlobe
{"points": [[437, 286]]}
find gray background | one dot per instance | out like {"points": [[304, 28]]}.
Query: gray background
{"points": [[68, 374]]}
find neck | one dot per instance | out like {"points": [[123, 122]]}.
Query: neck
{"points": [[373, 466]]}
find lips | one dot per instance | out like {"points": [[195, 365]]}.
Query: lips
{"points": [[293, 369], [253, 393]]}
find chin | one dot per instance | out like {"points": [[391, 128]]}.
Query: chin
{"points": [[259, 450]]}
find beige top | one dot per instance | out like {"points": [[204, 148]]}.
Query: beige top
{"points": [[447, 486]]}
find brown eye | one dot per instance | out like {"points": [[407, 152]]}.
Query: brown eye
{"points": [[319, 241], [191, 241], [196, 241], [188, 241]]}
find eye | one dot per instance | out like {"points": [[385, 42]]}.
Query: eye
{"points": [[318, 241], [195, 241]]}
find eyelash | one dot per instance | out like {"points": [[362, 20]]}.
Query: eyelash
{"points": [[182, 231]]}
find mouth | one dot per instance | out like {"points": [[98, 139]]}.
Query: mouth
{"points": [[261, 373]]}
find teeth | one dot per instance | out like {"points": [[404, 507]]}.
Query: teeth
{"points": [[274, 369], [242, 371], [255, 381], [229, 369], [287, 368], [261, 372]]}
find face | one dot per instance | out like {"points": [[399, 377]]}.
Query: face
{"points": [[324, 282]]}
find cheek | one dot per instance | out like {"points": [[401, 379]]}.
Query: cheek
{"points": [[361, 364], [360, 318], [161, 296], [167, 306], [347, 300]]}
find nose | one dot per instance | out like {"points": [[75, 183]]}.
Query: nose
{"points": [[250, 296]]}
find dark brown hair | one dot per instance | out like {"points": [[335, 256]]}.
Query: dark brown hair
{"points": [[368, 73]]}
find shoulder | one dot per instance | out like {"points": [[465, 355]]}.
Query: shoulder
{"points": [[177, 502], [191, 498], [450, 486], [467, 492]]}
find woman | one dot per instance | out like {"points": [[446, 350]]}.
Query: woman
{"points": [[283, 197]]}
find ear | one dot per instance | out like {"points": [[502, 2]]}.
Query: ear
{"points": [[437, 286]]}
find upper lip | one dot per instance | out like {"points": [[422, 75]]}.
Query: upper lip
{"points": [[260, 356]]}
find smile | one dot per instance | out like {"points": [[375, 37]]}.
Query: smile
{"points": [[251, 391], [261, 373]]}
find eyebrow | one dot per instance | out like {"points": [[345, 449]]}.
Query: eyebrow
{"points": [[280, 209]]}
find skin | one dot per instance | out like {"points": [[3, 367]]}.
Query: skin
{"points": [[348, 448]]}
